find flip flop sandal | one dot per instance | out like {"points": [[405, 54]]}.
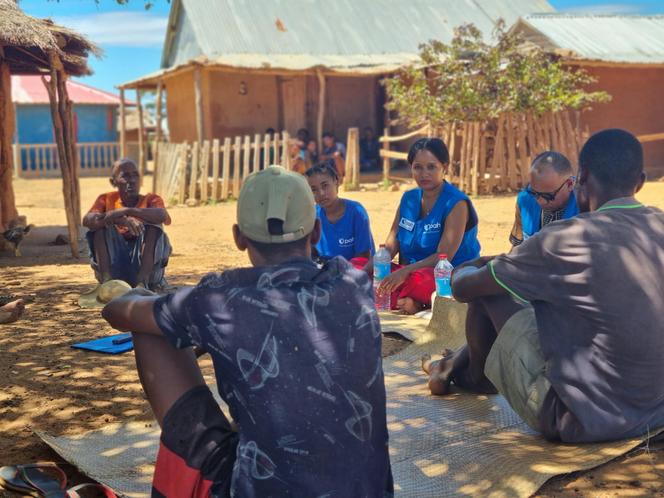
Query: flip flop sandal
{"points": [[73, 492], [32, 481]]}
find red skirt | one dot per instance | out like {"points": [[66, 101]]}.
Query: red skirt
{"points": [[419, 285]]}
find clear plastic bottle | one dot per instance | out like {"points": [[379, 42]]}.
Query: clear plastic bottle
{"points": [[382, 263], [442, 273]]}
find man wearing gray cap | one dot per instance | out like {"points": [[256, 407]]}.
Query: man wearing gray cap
{"points": [[297, 356]]}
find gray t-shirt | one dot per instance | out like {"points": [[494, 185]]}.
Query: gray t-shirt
{"points": [[596, 283]]}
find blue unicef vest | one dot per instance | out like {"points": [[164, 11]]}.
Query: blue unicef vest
{"points": [[419, 238], [531, 212]]}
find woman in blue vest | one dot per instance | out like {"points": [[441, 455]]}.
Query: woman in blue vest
{"points": [[433, 218], [345, 229]]}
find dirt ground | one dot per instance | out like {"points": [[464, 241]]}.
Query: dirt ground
{"points": [[46, 385]]}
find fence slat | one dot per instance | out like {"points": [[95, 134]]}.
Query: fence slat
{"points": [[205, 174], [257, 153], [246, 158], [523, 163], [193, 178], [226, 173], [266, 150], [215, 169], [237, 166], [182, 194]]}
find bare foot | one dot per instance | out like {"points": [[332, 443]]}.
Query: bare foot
{"points": [[440, 373], [427, 361], [11, 312], [408, 306]]}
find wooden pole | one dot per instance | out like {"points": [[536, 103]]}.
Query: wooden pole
{"points": [[62, 116], [193, 178], [123, 124], [215, 169], [246, 157], [386, 160], [8, 211], [237, 166], [256, 164], [205, 168], [182, 190], [157, 136], [141, 136], [226, 173], [321, 108], [198, 94]]}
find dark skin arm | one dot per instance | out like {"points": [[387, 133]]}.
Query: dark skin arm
{"points": [[154, 216], [473, 280], [133, 312]]}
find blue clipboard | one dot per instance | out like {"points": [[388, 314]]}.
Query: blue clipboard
{"points": [[113, 344]]}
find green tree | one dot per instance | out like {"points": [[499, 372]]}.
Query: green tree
{"points": [[471, 80]]}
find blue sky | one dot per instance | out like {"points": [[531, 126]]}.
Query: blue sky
{"points": [[132, 37]]}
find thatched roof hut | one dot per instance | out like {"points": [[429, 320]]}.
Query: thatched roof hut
{"points": [[39, 46]]}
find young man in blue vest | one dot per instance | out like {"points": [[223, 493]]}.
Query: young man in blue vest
{"points": [[548, 197], [568, 326]]}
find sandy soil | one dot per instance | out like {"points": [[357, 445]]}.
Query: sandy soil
{"points": [[46, 385]]}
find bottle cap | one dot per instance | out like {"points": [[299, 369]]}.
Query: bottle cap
{"points": [[442, 256]]}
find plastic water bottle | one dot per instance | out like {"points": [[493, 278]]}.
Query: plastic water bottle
{"points": [[442, 273], [382, 263]]}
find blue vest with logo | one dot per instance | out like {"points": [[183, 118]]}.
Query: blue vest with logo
{"points": [[531, 212], [419, 238]]}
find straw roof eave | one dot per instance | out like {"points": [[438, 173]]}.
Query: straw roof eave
{"points": [[27, 41]]}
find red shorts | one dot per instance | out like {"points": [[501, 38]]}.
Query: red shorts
{"points": [[196, 450], [419, 285]]}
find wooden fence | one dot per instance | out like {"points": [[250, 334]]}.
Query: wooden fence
{"points": [[215, 170], [41, 160], [495, 156]]}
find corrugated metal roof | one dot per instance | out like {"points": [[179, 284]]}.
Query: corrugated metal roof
{"points": [[31, 90], [338, 34], [608, 38]]}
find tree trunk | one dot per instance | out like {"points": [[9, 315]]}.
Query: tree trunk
{"points": [[63, 127], [8, 210]]}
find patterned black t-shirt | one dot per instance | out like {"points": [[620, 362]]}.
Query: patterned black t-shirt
{"points": [[297, 357]]}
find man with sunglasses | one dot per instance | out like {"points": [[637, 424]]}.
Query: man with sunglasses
{"points": [[548, 197], [568, 325]]}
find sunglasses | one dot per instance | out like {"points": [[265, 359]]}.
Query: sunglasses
{"points": [[548, 196]]}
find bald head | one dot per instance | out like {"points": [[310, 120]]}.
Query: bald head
{"points": [[551, 172], [554, 160]]}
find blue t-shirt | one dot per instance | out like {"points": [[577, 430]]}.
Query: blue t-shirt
{"points": [[297, 356], [349, 236]]}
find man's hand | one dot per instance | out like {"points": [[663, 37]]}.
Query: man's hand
{"points": [[112, 216], [135, 226]]}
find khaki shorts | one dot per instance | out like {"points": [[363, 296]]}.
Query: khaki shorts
{"points": [[516, 366]]}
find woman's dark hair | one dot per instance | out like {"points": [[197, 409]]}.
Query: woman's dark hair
{"points": [[434, 145], [323, 168]]}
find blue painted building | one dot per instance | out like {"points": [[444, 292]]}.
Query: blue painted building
{"points": [[95, 121]]}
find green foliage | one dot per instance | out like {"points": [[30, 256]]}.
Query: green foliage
{"points": [[470, 80]]}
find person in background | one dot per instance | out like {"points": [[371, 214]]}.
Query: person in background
{"points": [[548, 197], [345, 228], [568, 325], [369, 150], [312, 153], [335, 151], [125, 232], [433, 218]]}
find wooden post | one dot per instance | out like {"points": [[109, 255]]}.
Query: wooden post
{"points": [[482, 159], [237, 166], [226, 174], [266, 151], [474, 167], [193, 178], [157, 135], [352, 180], [63, 127], [321, 109], [123, 124], [386, 160], [285, 150], [451, 146], [532, 138], [246, 158], [182, 191], [215, 169], [141, 136], [511, 153], [524, 159], [205, 165], [8, 211], [257, 153], [198, 95]]}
